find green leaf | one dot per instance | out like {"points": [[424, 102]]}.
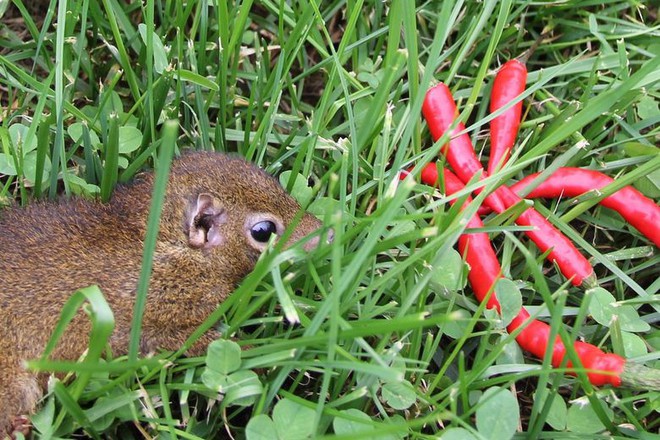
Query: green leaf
{"points": [[369, 78], [284, 297], [119, 404], [448, 271], [43, 420], [603, 307], [18, 134], [349, 427], [647, 108], [401, 228], [457, 325], [294, 421], [399, 395], [4, 4], [75, 131], [633, 345], [324, 206], [103, 422], [215, 380], [630, 321], [243, 387], [558, 413], [649, 185], [510, 299], [301, 190], [130, 139], [498, 414], [634, 149], [7, 165], [79, 186], [583, 419], [362, 109], [30, 167], [401, 433], [160, 55], [261, 427], [600, 306], [68, 399], [110, 159], [511, 353], [195, 78], [116, 104], [223, 356], [122, 162]]}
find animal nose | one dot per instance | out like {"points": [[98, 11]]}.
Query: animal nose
{"points": [[314, 242]]}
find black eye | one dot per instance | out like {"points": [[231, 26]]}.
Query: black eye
{"points": [[262, 231]]}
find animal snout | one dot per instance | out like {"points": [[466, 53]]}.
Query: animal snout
{"points": [[314, 242]]}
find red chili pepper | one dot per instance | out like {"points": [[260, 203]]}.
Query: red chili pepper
{"points": [[485, 270], [606, 368], [637, 209], [440, 111], [571, 262], [509, 83], [476, 247]]}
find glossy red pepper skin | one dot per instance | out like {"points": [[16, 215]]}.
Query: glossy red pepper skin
{"points": [[440, 112], [562, 251], [509, 82], [637, 209], [534, 337], [475, 247], [605, 368]]}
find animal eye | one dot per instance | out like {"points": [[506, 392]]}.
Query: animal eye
{"points": [[262, 231]]}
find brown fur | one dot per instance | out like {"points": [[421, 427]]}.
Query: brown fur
{"points": [[48, 250]]}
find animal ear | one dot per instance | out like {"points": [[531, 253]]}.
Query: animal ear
{"points": [[203, 220]]}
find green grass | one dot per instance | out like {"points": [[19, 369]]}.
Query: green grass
{"points": [[389, 340]]}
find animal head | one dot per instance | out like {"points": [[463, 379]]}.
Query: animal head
{"points": [[231, 208]]}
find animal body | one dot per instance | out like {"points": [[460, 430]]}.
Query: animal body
{"points": [[218, 215]]}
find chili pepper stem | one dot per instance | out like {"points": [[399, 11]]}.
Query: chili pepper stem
{"points": [[640, 377], [590, 282]]}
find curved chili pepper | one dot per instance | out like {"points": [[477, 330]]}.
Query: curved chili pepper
{"points": [[606, 368], [637, 209], [476, 246], [440, 112], [509, 83], [534, 336]]}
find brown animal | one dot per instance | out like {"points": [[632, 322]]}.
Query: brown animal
{"points": [[218, 216]]}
